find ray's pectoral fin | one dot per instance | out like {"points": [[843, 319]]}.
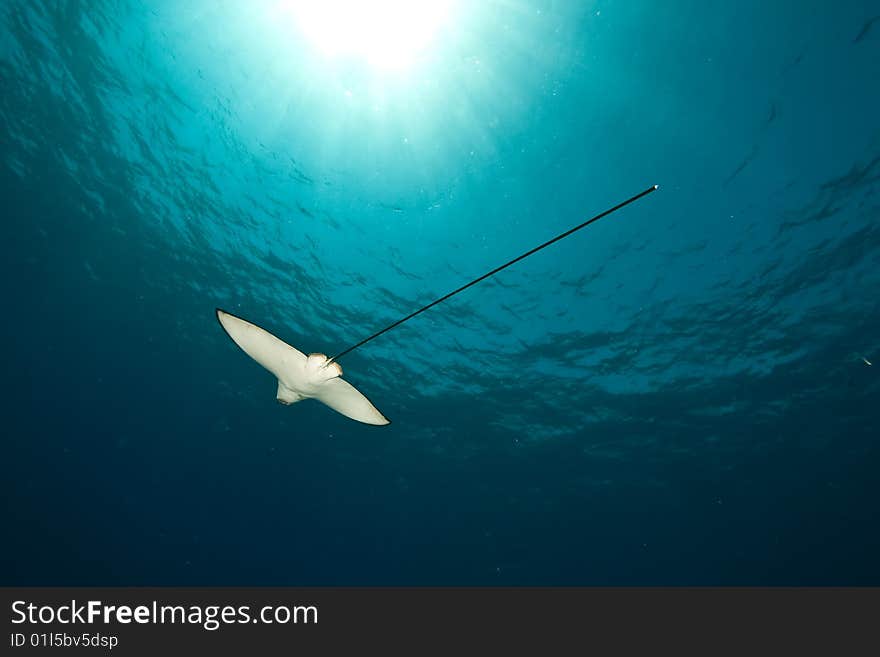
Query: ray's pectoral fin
{"points": [[344, 398], [272, 353]]}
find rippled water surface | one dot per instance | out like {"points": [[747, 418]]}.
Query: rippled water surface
{"points": [[684, 393]]}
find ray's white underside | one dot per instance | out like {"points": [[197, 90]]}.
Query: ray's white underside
{"points": [[300, 376]]}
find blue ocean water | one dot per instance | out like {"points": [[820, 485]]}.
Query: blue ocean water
{"points": [[679, 394]]}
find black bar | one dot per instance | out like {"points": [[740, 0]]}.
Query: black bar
{"points": [[544, 621]]}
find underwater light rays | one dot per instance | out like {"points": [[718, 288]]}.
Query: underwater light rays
{"points": [[386, 34]]}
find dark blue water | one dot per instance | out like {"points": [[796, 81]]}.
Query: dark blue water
{"points": [[679, 394]]}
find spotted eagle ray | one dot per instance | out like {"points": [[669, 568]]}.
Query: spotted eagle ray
{"points": [[317, 377]]}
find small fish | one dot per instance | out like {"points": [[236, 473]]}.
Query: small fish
{"points": [[866, 361], [866, 28]]}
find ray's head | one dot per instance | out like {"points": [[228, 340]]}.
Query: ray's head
{"points": [[320, 369]]}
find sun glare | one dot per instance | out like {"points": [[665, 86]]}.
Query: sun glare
{"points": [[388, 34]]}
